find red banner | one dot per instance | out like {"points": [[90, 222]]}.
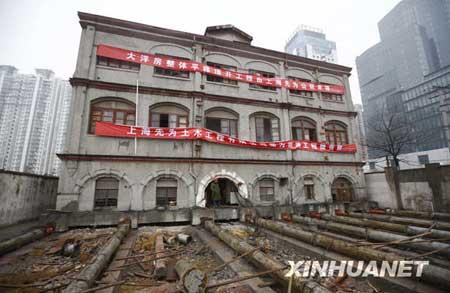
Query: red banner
{"points": [[127, 131], [191, 66]]}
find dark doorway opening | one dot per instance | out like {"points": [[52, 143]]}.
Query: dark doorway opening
{"points": [[228, 194]]}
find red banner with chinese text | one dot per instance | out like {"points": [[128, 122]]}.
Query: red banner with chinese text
{"points": [[191, 66], [127, 131]]}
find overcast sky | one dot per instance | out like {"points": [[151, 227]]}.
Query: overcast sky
{"points": [[46, 33]]}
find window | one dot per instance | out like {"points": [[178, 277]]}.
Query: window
{"points": [[166, 192], [267, 190], [308, 185], [371, 165], [221, 125], [262, 74], [336, 133], [300, 92], [168, 116], [114, 63], [223, 121], [332, 97], [114, 111], [304, 129], [106, 192], [218, 78], [267, 128], [423, 159], [170, 72]]}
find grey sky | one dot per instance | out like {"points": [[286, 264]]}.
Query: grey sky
{"points": [[46, 33]]}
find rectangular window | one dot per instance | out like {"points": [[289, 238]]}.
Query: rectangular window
{"points": [[423, 159], [299, 92], [219, 79], [166, 192], [106, 192], [332, 97], [267, 190], [167, 120], [109, 62], [170, 72], [309, 188], [267, 129], [262, 74], [222, 125]]}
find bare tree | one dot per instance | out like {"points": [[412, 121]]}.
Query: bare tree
{"points": [[389, 134]]}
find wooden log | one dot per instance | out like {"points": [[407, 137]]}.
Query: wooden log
{"points": [[401, 220], [431, 273], [394, 227], [160, 263], [422, 215], [262, 260], [192, 278], [378, 235], [90, 273], [19, 241]]}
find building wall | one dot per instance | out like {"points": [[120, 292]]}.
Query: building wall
{"points": [[88, 157], [25, 196], [424, 189]]}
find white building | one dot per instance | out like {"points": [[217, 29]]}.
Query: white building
{"points": [[362, 132], [311, 43], [33, 120]]}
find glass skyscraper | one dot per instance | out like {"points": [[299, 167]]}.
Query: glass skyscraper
{"points": [[401, 71]]}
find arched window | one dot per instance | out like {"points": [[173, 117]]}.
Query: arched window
{"points": [[168, 115], [336, 132], [106, 192], [267, 127], [166, 192], [223, 121], [267, 189], [112, 110], [304, 129]]}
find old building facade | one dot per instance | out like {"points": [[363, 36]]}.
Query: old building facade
{"points": [[107, 173]]}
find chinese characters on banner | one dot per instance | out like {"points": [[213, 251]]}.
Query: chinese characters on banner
{"points": [[191, 66], [114, 130]]}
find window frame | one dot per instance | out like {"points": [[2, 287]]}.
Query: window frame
{"points": [[265, 74], [271, 119], [158, 71], [303, 128], [123, 65], [301, 93], [263, 196], [151, 114], [102, 110], [218, 79], [333, 133], [168, 197], [106, 199], [236, 128]]}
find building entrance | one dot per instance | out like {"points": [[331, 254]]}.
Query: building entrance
{"points": [[221, 192]]}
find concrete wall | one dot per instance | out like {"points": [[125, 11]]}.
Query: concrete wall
{"points": [[425, 189], [24, 196]]}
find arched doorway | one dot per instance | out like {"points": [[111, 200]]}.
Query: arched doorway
{"points": [[342, 190], [228, 193]]}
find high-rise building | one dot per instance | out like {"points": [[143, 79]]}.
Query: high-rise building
{"points": [[400, 73], [362, 131], [311, 43], [33, 120]]}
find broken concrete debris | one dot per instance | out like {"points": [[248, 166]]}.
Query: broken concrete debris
{"points": [[174, 259]]}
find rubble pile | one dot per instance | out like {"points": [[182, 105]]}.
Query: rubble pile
{"points": [[52, 262]]}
